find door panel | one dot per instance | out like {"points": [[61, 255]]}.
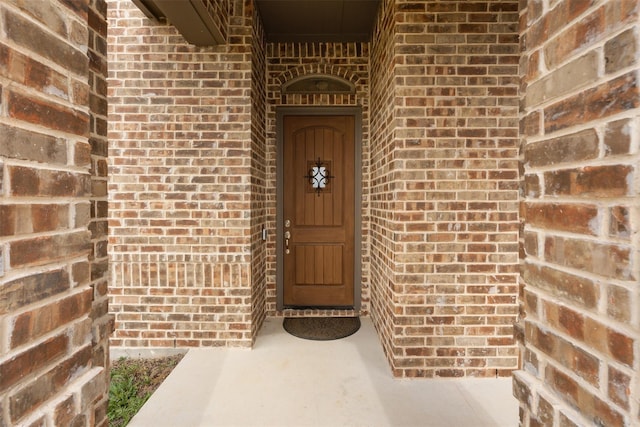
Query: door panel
{"points": [[318, 265], [318, 259]]}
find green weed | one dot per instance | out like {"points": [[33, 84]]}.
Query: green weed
{"points": [[125, 399], [133, 381]]}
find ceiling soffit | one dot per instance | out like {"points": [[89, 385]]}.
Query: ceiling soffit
{"points": [[283, 20], [318, 20]]}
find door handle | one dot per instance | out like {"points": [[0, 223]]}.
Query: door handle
{"points": [[287, 236]]}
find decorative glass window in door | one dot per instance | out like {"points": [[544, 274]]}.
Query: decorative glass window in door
{"points": [[319, 176]]}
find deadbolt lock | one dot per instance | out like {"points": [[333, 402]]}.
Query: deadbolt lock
{"points": [[287, 236]]}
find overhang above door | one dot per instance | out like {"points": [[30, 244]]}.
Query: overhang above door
{"points": [[318, 20], [283, 20]]}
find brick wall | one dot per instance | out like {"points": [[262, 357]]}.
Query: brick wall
{"points": [[102, 325], [441, 171], [580, 122], [444, 199], [184, 240], [53, 313], [259, 174], [288, 61], [382, 139]]}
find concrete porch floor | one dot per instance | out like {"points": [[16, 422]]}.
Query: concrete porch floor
{"points": [[287, 381]]}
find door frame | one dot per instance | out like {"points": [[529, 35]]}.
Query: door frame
{"points": [[356, 112]]}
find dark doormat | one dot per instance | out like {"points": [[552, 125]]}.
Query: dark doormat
{"points": [[321, 328]]}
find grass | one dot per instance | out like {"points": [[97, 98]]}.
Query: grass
{"points": [[133, 381]]}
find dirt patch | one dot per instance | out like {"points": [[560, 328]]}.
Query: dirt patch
{"points": [[133, 381], [147, 374]]}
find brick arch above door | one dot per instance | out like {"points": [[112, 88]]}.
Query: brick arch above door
{"points": [[334, 71], [331, 70], [318, 83]]}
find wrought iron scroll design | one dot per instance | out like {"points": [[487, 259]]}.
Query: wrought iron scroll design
{"points": [[319, 176]]}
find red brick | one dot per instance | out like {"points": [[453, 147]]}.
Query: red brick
{"points": [[563, 285], [615, 96], [595, 335], [575, 37], [532, 186], [49, 217], [619, 225], [8, 223], [545, 412], [531, 67], [38, 390], [566, 113], [604, 412], [598, 181], [619, 303], [28, 145], [618, 387], [97, 23], [620, 346], [537, 30], [530, 303], [619, 13], [33, 182], [65, 412], [28, 290], [53, 116], [574, 9], [81, 272], [586, 365], [540, 338], [604, 260], [32, 324], [563, 384], [579, 146], [14, 64], [621, 51], [617, 137], [29, 35], [521, 388], [577, 218], [42, 250], [43, 78], [82, 154], [571, 322], [32, 360]]}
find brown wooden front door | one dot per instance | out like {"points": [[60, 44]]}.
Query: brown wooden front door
{"points": [[318, 200]]}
